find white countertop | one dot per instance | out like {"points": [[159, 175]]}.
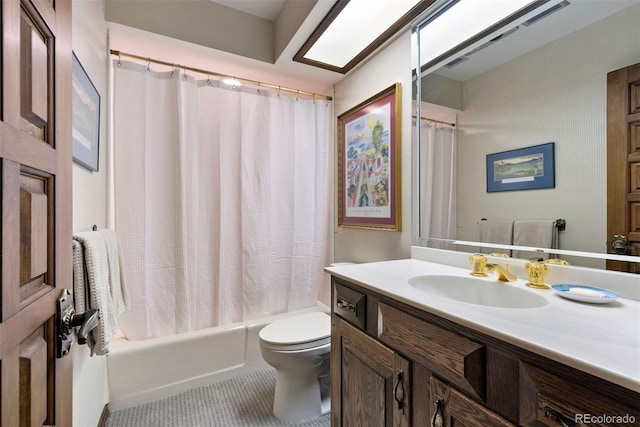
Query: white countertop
{"points": [[600, 339]]}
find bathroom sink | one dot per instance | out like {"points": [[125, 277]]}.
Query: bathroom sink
{"points": [[472, 290]]}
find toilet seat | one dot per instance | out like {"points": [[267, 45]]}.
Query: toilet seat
{"points": [[301, 332]]}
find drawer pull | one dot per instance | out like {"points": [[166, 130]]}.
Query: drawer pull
{"points": [[438, 419], [398, 391], [346, 305], [558, 417]]}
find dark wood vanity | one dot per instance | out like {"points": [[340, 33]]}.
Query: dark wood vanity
{"points": [[397, 365]]}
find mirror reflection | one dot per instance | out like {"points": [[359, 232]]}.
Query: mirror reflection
{"points": [[488, 108]]}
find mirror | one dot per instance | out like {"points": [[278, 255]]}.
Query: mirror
{"points": [[539, 76]]}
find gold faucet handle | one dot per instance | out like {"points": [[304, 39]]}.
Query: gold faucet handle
{"points": [[499, 254], [537, 271], [478, 264]]}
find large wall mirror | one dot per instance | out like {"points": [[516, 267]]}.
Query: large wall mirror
{"points": [[528, 89]]}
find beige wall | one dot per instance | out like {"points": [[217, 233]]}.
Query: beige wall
{"points": [[391, 65], [90, 389]]}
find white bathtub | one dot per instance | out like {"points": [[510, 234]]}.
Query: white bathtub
{"points": [[148, 370]]}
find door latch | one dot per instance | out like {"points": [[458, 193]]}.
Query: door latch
{"points": [[69, 320]]}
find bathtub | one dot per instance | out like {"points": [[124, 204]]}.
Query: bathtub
{"points": [[147, 370]]}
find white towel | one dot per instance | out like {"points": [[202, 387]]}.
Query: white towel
{"points": [[498, 231], [96, 259], [535, 233]]}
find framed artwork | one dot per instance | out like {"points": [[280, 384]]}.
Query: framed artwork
{"points": [[522, 169], [369, 163], [86, 118]]}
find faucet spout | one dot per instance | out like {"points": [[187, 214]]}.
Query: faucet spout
{"points": [[503, 273]]}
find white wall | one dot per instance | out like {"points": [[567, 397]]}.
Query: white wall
{"points": [[390, 65], [90, 389], [556, 93]]}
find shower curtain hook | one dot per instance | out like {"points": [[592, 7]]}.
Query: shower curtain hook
{"points": [[148, 64], [278, 90], [119, 63], [184, 72], [208, 79], [259, 89]]}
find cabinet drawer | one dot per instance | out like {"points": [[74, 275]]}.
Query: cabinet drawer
{"points": [[549, 400], [457, 359], [351, 305]]}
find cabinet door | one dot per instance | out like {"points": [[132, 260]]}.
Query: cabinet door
{"points": [[371, 382], [452, 408]]}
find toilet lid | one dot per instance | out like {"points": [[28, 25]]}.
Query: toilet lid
{"points": [[299, 332]]}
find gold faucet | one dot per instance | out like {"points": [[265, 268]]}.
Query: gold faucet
{"points": [[503, 273]]}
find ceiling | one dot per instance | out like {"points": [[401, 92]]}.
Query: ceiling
{"points": [[267, 9], [266, 34], [262, 35]]}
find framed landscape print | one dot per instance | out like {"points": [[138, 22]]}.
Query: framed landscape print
{"points": [[86, 118], [522, 169]]}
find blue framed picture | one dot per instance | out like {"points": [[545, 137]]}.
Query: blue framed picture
{"points": [[522, 169], [86, 118]]}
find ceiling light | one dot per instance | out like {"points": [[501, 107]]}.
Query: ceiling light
{"points": [[471, 17], [353, 29]]}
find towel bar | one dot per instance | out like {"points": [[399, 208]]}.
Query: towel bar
{"points": [[561, 224]]}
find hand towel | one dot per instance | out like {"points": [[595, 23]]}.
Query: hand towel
{"points": [[536, 233], [98, 272], [498, 231], [117, 285]]}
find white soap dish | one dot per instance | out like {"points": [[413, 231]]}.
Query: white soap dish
{"points": [[584, 293]]}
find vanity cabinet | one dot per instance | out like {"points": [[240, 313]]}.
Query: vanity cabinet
{"points": [[396, 365]]}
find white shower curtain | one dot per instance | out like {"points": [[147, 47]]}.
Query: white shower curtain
{"points": [[221, 200], [437, 183]]}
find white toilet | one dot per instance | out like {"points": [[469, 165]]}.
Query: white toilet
{"points": [[298, 347]]}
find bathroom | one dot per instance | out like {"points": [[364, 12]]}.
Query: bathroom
{"points": [[388, 66]]}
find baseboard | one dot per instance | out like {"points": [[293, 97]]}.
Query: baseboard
{"points": [[104, 416]]}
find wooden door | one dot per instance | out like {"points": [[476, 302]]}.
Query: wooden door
{"points": [[370, 383], [623, 161], [35, 232]]}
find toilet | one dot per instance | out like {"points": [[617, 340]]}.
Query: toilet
{"points": [[298, 348]]}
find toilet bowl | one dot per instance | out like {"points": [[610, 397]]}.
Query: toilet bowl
{"points": [[298, 348]]}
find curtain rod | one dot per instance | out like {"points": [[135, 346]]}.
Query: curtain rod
{"points": [[214, 74], [435, 121]]}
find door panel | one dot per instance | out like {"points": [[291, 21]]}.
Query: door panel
{"points": [[623, 161], [35, 188]]}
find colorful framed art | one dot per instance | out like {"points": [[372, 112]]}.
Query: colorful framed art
{"points": [[369, 163]]}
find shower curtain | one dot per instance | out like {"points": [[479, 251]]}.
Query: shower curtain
{"points": [[220, 199], [437, 182]]}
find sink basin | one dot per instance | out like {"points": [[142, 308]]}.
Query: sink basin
{"points": [[478, 291]]}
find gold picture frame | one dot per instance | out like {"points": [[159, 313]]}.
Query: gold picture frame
{"points": [[369, 183]]}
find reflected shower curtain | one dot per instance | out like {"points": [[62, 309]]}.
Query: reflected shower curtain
{"points": [[437, 182], [221, 200]]}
